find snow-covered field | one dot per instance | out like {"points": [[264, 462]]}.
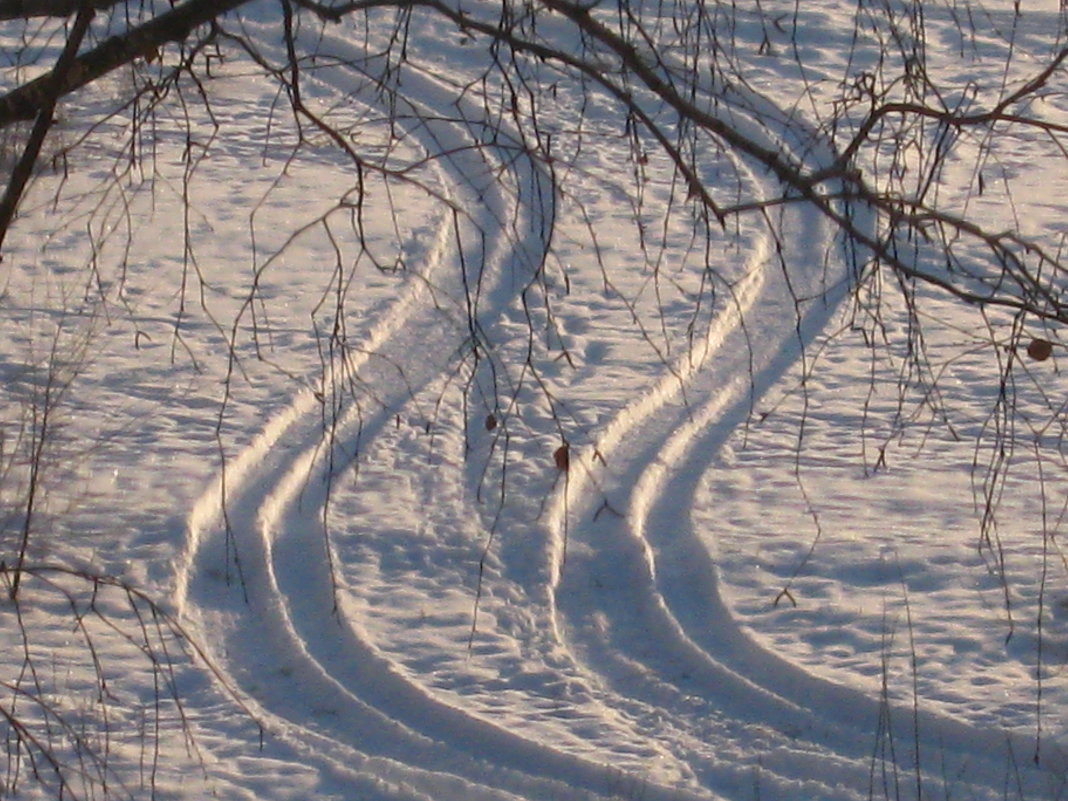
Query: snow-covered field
{"points": [[317, 415]]}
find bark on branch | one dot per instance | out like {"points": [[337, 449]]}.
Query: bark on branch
{"points": [[24, 102], [25, 9]]}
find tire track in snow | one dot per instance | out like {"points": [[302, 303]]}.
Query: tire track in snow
{"points": [[639, 603], [608, 593], [338, 701], [314, 675]]}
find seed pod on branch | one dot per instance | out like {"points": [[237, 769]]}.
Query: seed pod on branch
{"points": [[562, 457], [1040, 349]]}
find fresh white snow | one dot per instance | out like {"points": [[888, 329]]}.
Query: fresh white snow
{"points": [[283, 435]]}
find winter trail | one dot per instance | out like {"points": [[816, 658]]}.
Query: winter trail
{"points": [[655, 581], [297, 624], [604, 662]]}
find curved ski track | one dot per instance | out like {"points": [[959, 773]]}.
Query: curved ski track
{"points": [[632, 612]]}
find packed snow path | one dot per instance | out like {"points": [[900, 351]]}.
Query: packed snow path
{"points": [[600, 661]]}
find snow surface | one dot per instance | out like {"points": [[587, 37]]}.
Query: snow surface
{"points": [[282, 434]]}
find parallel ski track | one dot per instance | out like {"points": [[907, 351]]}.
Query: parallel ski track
{"points": [[693, 679], [695, 662], [379, 724]]}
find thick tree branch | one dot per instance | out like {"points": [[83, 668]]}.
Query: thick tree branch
{"points": [[176, 25], [25, 9]]}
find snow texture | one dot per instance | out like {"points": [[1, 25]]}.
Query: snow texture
{"points": [[364, 527]]}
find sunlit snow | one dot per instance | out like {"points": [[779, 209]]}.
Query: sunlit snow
{"points": [[763, 574]]}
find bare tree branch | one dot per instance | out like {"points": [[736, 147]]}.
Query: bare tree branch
{"points": [[27, 9], [48, 94], [143, 41]]}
